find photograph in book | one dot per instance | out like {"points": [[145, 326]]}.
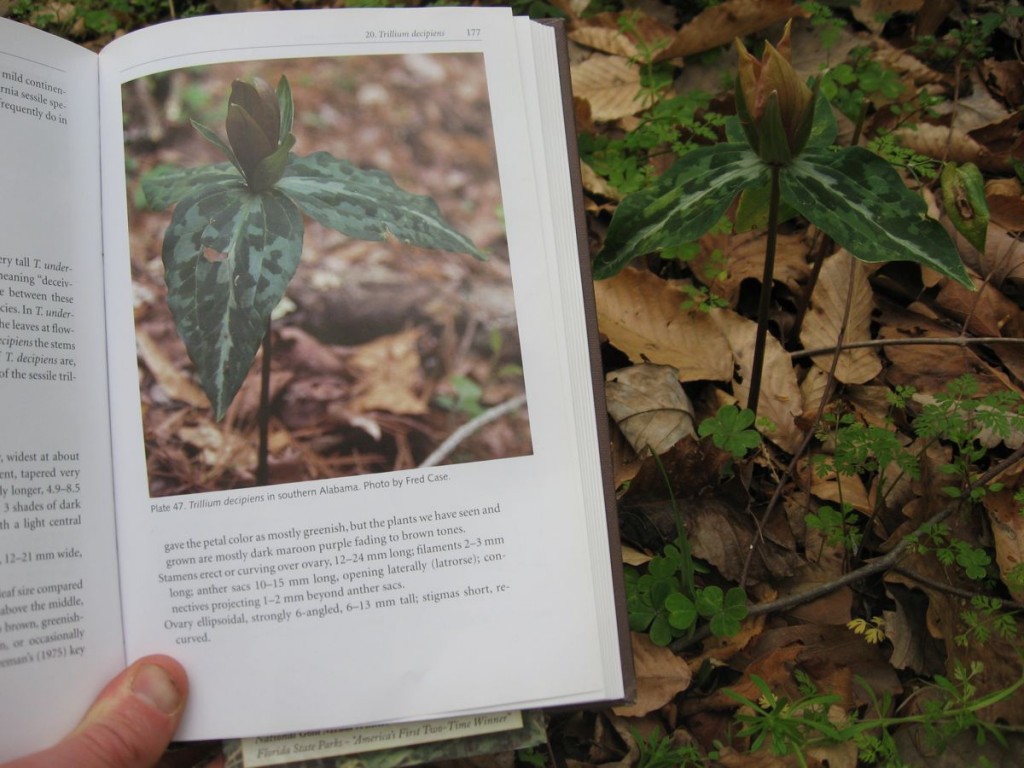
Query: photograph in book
{"points": [[345, 214]]}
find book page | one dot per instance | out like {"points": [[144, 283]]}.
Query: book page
{"points": [[421, 543], [60, 625]]}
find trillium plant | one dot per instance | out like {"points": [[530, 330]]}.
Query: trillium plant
{"points": [[782, 142], [235, 237]]}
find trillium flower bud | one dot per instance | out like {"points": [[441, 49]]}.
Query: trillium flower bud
{"points": [[255, 129], [775, 107]]}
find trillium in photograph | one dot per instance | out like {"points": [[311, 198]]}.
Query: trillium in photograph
{"points": [[235, 236], [258, 132]]}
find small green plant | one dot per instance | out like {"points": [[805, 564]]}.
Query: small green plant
{"points": [[986, 617], [668, 127], [465, 398], [965, 46], [787, 728], [655, 77], [730, 430], [861, 78], [723, 610], [872, 631], [701, 297], [657, 751], [665, 603], [783, 727], [531, 756], [88, 18], [838, 527]]}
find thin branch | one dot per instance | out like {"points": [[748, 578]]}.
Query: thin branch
{"points": [[956, 341], [886, 561], [477, 422], [950, 589]]}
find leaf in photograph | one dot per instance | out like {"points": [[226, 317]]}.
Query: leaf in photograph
{"points": [[228, 256], [367, 204]]}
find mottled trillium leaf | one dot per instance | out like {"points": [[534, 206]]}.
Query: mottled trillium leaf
{"points": [[367, 204], [228, 257], [680, 206], [862, 203], [164, 186], [963, 194]]}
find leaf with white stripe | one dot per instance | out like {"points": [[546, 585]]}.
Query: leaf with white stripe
{"points": [[680, 206], [862, 203]]}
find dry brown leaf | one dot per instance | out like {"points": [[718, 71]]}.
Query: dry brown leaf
{"points": [[813, 389], [927, 367], [1008, 535], [722, 535], [605, 39], [1005, 79], [845, 490], [596, 184], [824, 318], [604, 32], [1005, 200], [781, 401], [390, 375], [912, 647], [634, 557], [649, 406], [721, 24], [219, 446], [640, 315], [986, 310], [660, 675], [939, 142], [170, 377], [611, 85], [731, 259], [975, 108], [1003, 259]]}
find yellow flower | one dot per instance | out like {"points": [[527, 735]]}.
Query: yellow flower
{"points": [[776, 108]]}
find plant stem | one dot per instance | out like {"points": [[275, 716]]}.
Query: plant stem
{"points": [[263, 461], [766, 292]]}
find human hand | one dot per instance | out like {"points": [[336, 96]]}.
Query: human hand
{"points": [[128, 726]]}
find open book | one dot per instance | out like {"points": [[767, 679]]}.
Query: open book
{"points": [[297, 375]]}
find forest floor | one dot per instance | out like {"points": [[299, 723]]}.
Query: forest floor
{"points": [[871, 520]]}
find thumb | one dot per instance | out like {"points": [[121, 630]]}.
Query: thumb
{"points": [[129, 725]]}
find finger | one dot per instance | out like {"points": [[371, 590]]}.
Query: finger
{"points": [[129, 725]]}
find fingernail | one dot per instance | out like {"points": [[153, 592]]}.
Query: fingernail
{"points": [[153, 685]]}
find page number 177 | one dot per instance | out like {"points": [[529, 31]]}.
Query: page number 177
{"points": [[472, 33]]}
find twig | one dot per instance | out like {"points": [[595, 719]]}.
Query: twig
{"points": [[887, 560], [452, 441], [956, 341], [950, 589]]}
